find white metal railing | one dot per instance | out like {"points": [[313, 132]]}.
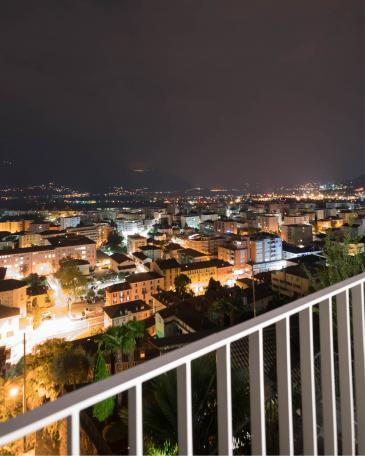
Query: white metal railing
{"points": [[70, 405]]}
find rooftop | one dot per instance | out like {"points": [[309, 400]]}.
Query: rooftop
{"points": [[120, 258], [69, 241], [170, 263], [192, 253], [119, 310], [140, 256], [121, 286], [149, 247], [205, 264], [261, 235], [143, 276], [11, 284]]}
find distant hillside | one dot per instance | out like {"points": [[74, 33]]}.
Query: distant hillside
{"points": [[358, 181]]}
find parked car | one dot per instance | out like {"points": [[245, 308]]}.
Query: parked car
{"points": [[47, 315]]}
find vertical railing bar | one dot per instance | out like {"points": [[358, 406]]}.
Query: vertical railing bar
{"points": [[345, 373], [328, 377], [308, 382], [224, 400], [135, 420], [257, 392], [284, 387], [358, 323], [184, 409], [73, 434]]}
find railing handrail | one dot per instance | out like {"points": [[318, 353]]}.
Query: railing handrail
{"points": [[91, 394]]}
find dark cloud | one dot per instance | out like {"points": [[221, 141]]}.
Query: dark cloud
{"points": [[206, 92]]}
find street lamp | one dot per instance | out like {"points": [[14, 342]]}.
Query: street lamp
{"points": [[13, 392]]}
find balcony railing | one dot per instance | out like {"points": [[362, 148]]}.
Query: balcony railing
{"points": [[348, 415]]}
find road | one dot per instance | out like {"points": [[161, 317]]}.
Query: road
{"points": [[58, 327], [63, 324]]}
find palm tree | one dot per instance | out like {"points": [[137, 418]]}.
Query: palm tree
{"points": [[116, 341], [109, 345], [222, 310], [121, 340], [130, 333], [160, 407]]}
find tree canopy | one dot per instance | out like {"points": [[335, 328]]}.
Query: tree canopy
{"points": [[343, 259], [71, 278], [181, 282]]}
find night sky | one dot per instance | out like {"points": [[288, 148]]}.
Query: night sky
{"points": [[194, 92]]}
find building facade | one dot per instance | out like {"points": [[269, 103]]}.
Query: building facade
{"points": [[137, 286], [300, 235]]}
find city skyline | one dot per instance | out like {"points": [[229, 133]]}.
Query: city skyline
{"points": [[171, 96]]}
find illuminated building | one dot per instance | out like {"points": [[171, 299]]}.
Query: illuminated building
{"points": [[131, 215], [39, 227], [142, 261], [120, 314], [169, 269], [135, 242], [265, 247], [191, 220], [295, 281], [41, 296], [15, 225], [201, 272], [129, 226], [348, 216], [291, 251], [268, 223], [44, 260], [13, 293], [278, 208], [171, 250], [225, 226], [98, 232], [122, 263], [6, 242], [300, 235], [191, 256], [69, 222], [137, 286], [9, 324], [235, 254], [328, 223], [151, 251], [356, 248], [208, 216], [297, 219], [78, 247], [320, 214], [103, 260], [21, 262], [206, 244], [30, 239]]}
